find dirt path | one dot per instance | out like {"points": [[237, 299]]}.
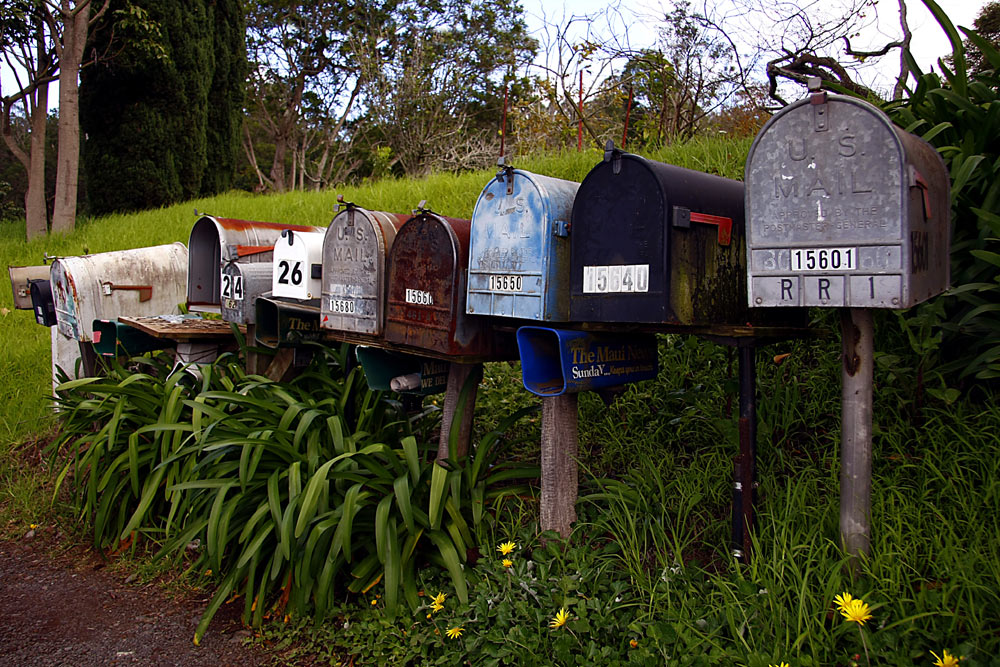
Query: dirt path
{"points": [[69, 610]]}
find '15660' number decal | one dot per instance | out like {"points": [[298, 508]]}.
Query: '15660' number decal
{"points": [[419, 297]]}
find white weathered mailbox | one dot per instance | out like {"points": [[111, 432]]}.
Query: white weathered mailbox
{"points": [[844, 209], [298, 265]]}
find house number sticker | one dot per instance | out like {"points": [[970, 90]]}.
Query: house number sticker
{"points": [[419, 297], [616, 278]]}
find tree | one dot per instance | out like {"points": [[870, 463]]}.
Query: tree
{"points": [[987, 26], [26, 43], [146, 112]]}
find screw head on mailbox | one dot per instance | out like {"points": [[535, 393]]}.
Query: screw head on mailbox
{"points": [[214, 242], [355, 249], [426, 291], [844, 209], [656, 243], [519, 247]]}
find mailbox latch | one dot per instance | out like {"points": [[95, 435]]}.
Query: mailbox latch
{"points": [[917, 181], [145, 291], [560, 228], [614, 156], [817, 99], [683, 217], [506, 175]]}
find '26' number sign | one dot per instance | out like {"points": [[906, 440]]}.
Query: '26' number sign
{"points": [[289, 272]]}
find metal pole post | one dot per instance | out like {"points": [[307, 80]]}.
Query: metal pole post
{"points": [[856, 431], [746, 468]]}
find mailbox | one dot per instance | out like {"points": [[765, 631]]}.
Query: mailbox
{"points": [[42, 303], [20, 282], [215, 241], [241, 285], [298, 265], [555, 361], [426, 292], [354, 267], [656, 243], [285, 322], [137, 283], [519, 248], [402, 373], [844, 209]]}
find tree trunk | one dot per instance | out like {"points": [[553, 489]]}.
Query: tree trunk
{"points": [[36, 212], [75, 24]]}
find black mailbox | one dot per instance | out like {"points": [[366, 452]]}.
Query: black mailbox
{"points": [[656, 243], [42, 303]]}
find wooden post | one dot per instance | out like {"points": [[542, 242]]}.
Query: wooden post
{"points": [[856, 432], [458, 374], [559, 467]]}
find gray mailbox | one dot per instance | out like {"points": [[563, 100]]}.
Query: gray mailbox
{"points": [[241, 285], [844, 209]]}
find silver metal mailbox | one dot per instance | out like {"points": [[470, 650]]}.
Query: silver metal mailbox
{"points": [[519, 261], [136, 283], [844, 209], [215, 242], [241, 285], [355, 248]]}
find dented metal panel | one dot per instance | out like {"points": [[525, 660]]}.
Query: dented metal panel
{"points": [[519, 247], [355, 251], [20, 282], [656, 243], [844, 209], [216, 241], [144, 281], [427, 289], [241, 285]]}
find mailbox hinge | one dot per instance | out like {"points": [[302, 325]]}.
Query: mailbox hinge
{"points": [[145, 291], [506, 175], [614, 156], [683, 217]]}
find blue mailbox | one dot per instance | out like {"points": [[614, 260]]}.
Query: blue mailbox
{"points": [[557, 361], [519, 247]]}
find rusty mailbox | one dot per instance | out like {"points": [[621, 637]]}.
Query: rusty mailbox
{"points": [[519, 261], [355, 249], [656, 243], [215, 242], [425, 298], [844, 209], [140, 282]]}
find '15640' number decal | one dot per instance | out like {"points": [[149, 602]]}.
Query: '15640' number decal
{"points": [[616, 278]]}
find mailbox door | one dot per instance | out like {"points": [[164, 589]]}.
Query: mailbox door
{"points": [[241, 285], [354, 265], [656, 243], [216, 240], [135, 283], [426, 290], [831, 193], [20, 282], [298, 265], [519, 247]]}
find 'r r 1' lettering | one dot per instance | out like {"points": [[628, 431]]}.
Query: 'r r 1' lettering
{"points": [[786, 289], [824, 289]]}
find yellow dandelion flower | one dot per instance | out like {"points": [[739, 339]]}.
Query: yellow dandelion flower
{"points": [[428, 615], [436, 607], [633, 643], [945, 659], [785, 664], [32, 526], [856, 611], [507, 562], [842, 601], [374, 602], [559, 619], [439, 599], [455, 633], [506, 548]]}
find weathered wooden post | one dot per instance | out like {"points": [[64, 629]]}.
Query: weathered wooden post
{"points": [[846, 210]]}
